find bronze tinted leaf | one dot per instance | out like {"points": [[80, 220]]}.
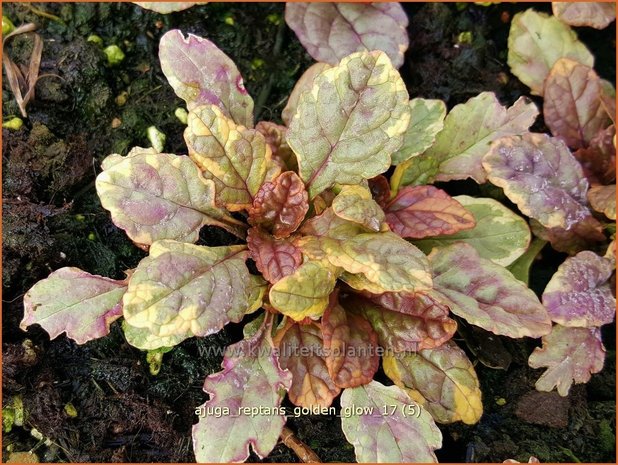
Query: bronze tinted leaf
{"points": [[603, 199], [350, 345], [599, 159], [421, 211], [281, 205], [404, 322], [275, 258], [380, 190], [300, 351]]}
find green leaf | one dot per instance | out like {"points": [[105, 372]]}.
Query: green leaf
{"points": [[499, 235], [384, 259], [469, 129], [190, 290], [486, 294], [350, 122], [202, 74], [165, 8], [385, 425], [521, 267], [570, 355], [248, 393], [442, 380], [305, 292], [331, 226], [143, 339], [234, 157], [539, 174], [536, 42], [74, 302], [426, 121], [326, 230], [354, 203], [304, 83], [155, 196]]}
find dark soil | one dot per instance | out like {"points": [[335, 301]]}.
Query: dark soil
{"points": [[52, 218]]}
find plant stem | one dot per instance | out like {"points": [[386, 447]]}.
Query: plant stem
{"points": [[44, 14], [232, 225], [302, 450]]}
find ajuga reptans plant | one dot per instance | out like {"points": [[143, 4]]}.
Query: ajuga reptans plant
{"points": [[354, 268]]}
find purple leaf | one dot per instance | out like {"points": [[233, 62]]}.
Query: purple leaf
{"points": [[201, 74], [249, 391], [570, 355], [539, 174], [579, 293], [583, 235], [385, 425], [486, 294], [155, 196], [75, 302], [330, 31], [572, 103], [594, 14]]}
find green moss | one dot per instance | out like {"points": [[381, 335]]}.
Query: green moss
{"points": [[607, 437]]}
